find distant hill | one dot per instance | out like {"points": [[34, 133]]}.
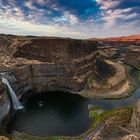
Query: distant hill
{"points": [[132, 38]]}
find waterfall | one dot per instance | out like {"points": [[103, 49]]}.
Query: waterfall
{"points": [[16, 104]]}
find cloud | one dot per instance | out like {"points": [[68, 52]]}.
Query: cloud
{"points": [[41, 2], [30, 5], [71, 18], [112, 17], [107, 4]]}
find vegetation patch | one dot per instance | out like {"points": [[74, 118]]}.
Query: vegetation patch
{"points": [[93, 107], [94, 110], [123, 113]]}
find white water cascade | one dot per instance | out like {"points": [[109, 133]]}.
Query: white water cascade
{"points": [[16, 104]]}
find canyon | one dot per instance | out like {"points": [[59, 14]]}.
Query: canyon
{"points": [[93, 68], [61, 64]]}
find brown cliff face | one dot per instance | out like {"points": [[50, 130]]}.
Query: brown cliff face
{"points": [[124, 48], [49, 64], [52, 49]]}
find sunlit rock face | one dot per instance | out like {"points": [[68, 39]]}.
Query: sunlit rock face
{"points": [[50, 64]]}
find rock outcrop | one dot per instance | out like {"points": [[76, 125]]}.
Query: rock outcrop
{"points": [[135, 122], [130, 137]]}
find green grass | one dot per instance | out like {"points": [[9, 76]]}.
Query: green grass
{"points": [[94, 110], [93, 114], [123, 113]]}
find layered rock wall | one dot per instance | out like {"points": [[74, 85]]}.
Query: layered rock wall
{"points": [[50, 64], [44, 77], [52, 49]]}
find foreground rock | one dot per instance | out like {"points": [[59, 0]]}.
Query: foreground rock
{"points": [[135, 122], [125, 125]]}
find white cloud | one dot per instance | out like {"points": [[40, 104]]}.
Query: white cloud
{"points": [[72, 18], [27, 26], [111, 16], [90, 30], [67, 18], [107, 4], [11, 10], [13, 20], [30, 5], [10, 24], [41, 2]]}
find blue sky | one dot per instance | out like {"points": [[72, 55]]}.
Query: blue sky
{"points": [[70, 18]]}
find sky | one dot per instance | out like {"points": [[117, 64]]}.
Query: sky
{"points": [[70, 18]]}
